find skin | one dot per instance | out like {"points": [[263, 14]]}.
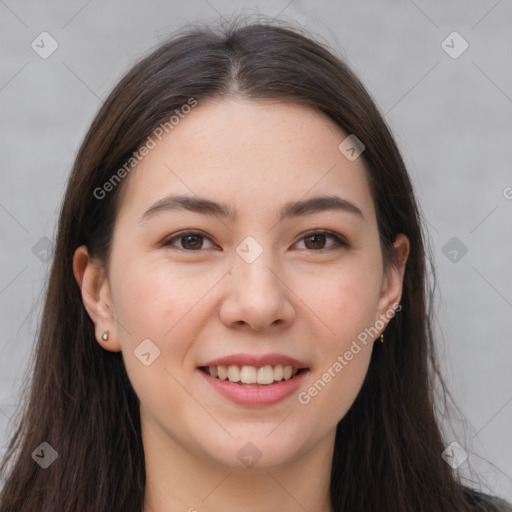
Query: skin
{"points": [[304, 298]]}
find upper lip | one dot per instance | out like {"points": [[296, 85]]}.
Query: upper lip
{"points": [[256, 360]]}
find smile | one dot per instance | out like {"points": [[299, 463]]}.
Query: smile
{"points": [[255, 393], [252, 375]]}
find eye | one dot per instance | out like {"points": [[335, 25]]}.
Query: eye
{"points": [[189, 240], [316, 241], [194, 241]]}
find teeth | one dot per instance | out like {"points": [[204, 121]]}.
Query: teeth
{"points": [[265, 375], [222, 372], [253, 375], [233, 373], [248, 374]]}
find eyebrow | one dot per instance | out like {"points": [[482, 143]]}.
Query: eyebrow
{"points": [[291, 209]]}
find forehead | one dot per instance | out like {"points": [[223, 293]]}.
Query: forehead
{"points": [[251, 154]]}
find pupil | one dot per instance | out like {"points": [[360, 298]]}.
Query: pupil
{"points": [[316, 238], [193, 244]]}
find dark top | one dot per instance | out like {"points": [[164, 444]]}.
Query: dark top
{"points": [[490, 503]]}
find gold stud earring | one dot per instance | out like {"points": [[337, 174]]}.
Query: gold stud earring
{"points": [[382, 338], [105, 335]]}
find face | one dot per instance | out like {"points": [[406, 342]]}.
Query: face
{"points": [[280, 279]]}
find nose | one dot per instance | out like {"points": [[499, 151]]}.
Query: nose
{"points": [[257, 296]]}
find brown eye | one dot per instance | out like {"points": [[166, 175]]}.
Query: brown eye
{"points": [[187, 241], [192, 241], [316, 241]]}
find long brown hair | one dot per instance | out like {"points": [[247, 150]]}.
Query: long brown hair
{"points": [[80, 401]]}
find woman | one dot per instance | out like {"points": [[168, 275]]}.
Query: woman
{"points": [[237, 316]]}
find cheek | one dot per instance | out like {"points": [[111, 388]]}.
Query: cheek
{"points": [[346, 303], [150, 300], [145, 306], [349, 370], [336, 384], [153, 310], [350, 305], [150, 312], [168, 308]]}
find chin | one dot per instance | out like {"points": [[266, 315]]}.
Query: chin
{"points": [[253, 451]]}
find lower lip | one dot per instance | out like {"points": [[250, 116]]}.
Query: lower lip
{"points": [[255, 396]]}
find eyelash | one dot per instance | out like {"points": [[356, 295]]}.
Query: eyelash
{"points": [[340, 242]]}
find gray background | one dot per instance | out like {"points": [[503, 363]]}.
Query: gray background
{"points": [[451, 118]]}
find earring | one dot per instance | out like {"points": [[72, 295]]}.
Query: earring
{"points": [[382, 338], [105, 335]]}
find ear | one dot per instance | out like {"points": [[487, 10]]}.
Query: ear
{"points": [[95, 290], [392, 282]]}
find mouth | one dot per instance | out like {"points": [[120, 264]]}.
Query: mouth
{"points": [[254, 376]]}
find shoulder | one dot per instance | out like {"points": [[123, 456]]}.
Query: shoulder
{"points": [[486, 501]]}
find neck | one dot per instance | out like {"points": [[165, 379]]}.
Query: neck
{"points": [[177, 479]]}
